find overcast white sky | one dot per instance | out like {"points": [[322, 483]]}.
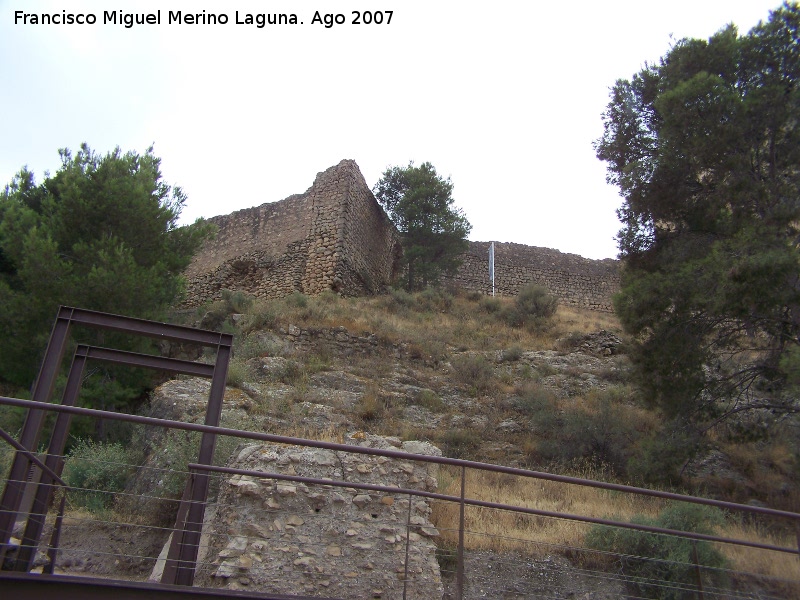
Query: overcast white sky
{"points": [[505, 97]]}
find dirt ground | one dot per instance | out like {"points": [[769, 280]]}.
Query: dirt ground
{"points": [[513, 575]]}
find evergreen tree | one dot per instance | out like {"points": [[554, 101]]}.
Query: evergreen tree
{"points": [[705, 148], [100, 234], [419, 202]]}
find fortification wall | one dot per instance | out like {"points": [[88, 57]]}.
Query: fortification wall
{"points": [[334, 236], [371, 247], [575, 280]]}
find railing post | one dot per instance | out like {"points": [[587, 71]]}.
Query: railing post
{"points": [[697, 570], [42, 391], [460, 565], [55, 461], [408, 543], [55, 539], [797, 534], [173, 564]]}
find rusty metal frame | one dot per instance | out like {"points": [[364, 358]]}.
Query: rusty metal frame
{"points": [[185, 545], [397, 454], [61, 587]]}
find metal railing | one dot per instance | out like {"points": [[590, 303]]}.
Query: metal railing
{"points": [[463, 501], [182, 561]]}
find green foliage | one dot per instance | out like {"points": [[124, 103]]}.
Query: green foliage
{"points": [[400, 300], [297, 300], [236, 301], [704, 147], [98, 470], [460, 443], [238, 372], [475, 371], [434, 233], [430, 400], [102, 234], [535, 301], [490, 304], [371, 407], [661, 457], [664, 563], [511, 354], [533, 308], [434, 300]]}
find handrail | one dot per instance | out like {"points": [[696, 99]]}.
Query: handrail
{"points": [[268, 437], [485, 504]]}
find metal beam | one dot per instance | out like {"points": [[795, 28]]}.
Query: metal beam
{"points": [[31, 430], [60, 587]]}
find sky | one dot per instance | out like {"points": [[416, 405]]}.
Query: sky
{"points": [[505, 98]]}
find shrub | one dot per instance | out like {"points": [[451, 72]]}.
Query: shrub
{"points": [[475, 371], [236, 301], [533, 307], [434, 300], [535, 301], [430, 400], [512, 354], [98, 470], [537, 402], [489, 304], [474, 296], [297, 300], [460, 443], [661, 456], [238, 372], [662, 559], [261, 316], [400, 300], [370, 406]]}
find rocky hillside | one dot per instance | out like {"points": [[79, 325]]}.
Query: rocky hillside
{"points": [[460, 375]]}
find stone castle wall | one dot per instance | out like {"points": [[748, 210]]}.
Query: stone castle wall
{"points": [[575, 280], [335, 236]]}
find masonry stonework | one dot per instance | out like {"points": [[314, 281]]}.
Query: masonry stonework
{"points": [[575, 280], [336, 236]]}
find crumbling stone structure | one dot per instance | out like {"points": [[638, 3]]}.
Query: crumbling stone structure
{"points": [[335, 236], [280, 536], [575, 280]]}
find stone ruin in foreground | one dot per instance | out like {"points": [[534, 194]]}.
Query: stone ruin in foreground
{"points": [[288, 537]]}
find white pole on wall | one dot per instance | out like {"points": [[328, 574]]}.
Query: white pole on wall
{"points": [[491, 266]]}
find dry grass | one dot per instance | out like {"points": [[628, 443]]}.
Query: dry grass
{"points": [[765, 563], [504, 531], [462, 323]]}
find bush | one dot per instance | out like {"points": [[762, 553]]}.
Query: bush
{"points": [[98, 470], [430, 400], [489, 304], [297, 300], [261, 316], [475, 371], [238, 372], [370, 406], [400, 301], [663, 559], [236, 301], [434, 300], [460, 443], [534, 306], [661, 457], [512, 354]]}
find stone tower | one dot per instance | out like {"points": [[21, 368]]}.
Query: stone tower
{"points": [[335, 236]]}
